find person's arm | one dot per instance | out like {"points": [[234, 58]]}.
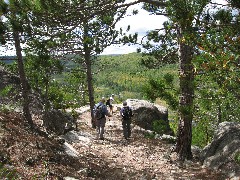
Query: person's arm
{"points": [[131, 111], [95, 106], [121, 111]]}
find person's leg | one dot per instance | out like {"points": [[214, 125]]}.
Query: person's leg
{"points": [[98, 131], [124, 125], [128, 128], [97, 128], [101, 130], [93, 122], [111, 108]]}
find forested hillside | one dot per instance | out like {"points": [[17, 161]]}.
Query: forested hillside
{"points": [[126, 76]]}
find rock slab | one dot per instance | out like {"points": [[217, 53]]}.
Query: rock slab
{"points": [[221, 152], [145, 113]]}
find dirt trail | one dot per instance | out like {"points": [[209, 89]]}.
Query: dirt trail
{"points": [[137, 158], [80, 156]]}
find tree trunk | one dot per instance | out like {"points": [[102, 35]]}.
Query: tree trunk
{"points": [[90, 86], [184, 136], [23, 80], [87, 58], [219, 114]]}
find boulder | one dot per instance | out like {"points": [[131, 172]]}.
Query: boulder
{"points": [[11, 80], [58, 122], [220, 153], [145, 113], [8, 78], [14, 95]]}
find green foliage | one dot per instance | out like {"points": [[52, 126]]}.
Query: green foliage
{"points": [[216, 58], [74, 114], [124, 75], [202, 132], [234, 3], [237, 157], [183, 12], [4, 108], [173, 122], [120, 75], [61, 98], [150, 135], [224, 16], [6, 90], [67, 91], [163, 87], [6, 173], [217, 78], [159, 126]]}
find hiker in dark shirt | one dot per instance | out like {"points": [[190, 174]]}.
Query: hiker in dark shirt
{"points": [[126, 113], [109, 103]]}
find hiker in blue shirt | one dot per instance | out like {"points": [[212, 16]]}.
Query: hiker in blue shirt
{"points": [[100, 113]]}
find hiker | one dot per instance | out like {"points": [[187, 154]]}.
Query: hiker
{"points": [[126, 113], [110, 103], [100, 113]]}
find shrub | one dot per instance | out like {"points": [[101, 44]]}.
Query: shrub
{"points": [[202, 133], [6, 173], [159, 126], [237, 157], [150, 135]]}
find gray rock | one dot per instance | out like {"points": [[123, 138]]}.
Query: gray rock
{"points": [[14, 95], [70, 150], [58, 122], [145, 113], [78, 136], [9, 80], [69, 178], [220, 153]]}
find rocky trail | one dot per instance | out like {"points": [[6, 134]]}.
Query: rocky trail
{"points": [[81, 156], [136, 158]]}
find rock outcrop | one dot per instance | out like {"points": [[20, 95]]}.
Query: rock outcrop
{"points": [[58, 122], [13, 94], [9, 80], [145, 113], [221, 153]]}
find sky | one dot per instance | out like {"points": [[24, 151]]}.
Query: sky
{"points": [[140, 23]]}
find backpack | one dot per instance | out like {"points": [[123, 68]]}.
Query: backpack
{"points": [[126, 113], [98, 112], [108, 102]]}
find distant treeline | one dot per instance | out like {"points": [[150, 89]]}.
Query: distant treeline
{"points": [[8, 59]]}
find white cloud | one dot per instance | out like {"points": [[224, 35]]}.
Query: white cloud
{"points": [[7, 50], [224, 2], [120, 49], [140, 23]]}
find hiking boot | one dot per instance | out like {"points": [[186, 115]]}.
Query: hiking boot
{"points": [[102, 138]]}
